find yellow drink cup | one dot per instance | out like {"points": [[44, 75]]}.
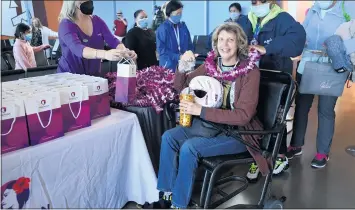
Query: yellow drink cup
{"points": [[186, 119]]}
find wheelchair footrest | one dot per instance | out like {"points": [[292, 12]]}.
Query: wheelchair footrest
{"points": [[225, 196]]}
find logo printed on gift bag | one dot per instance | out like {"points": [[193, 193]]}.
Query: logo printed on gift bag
{"points": [[44, 104], [98, 89], [4, 112]]}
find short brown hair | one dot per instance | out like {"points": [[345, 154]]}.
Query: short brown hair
{"points": [[242, 40]]}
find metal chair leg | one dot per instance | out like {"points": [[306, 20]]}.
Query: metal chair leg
{"points": [[204, 187], [210, 189]]}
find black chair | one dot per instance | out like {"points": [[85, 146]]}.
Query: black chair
{"points": [[9, 59], [41, 58], [6, 45], [200, 44], [41, 71], [4, 65], [275, 98], [56, 52], [11, 75]]}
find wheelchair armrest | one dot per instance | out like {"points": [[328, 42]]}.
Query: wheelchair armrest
{"points": [[276, 129]]}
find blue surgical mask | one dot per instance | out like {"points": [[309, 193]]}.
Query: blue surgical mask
{"points": [[175, 18], [28, 37], [261, 10], [324, 4], [143, 23], [234, 15]]}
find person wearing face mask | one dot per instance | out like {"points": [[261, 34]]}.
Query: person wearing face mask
{"points": [[321, 23], [173, 37], [235, 15], [278, 37], [41, 34], [141, 39], [120, 26], [24, 53], [82, 37]]}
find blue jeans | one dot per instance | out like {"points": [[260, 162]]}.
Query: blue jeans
{"points": [[179, 158]]}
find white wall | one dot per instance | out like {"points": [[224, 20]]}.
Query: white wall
{"points": [[201, 17]]}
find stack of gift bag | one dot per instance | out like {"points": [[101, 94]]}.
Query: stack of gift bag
{"points": [[40, 109]]}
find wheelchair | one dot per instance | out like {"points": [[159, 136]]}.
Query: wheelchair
{"points": [[276, 94]]}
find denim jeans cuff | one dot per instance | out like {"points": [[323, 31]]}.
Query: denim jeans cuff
{"points": [[177, 205], [163, 190]]}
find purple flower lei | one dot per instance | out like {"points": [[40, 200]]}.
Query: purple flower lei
{"points": [[241, 69], [154, 88]]}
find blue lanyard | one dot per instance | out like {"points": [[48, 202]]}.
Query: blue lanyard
{"points": [[177, 35], [257, 31]]}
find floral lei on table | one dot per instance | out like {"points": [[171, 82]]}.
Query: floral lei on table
{"points": [[241, 69], [154, 88]]}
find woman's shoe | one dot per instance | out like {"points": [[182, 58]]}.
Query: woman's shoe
{"points": [[320, 160]]}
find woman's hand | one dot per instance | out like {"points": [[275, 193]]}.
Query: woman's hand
{"points": [[259, 48], [113, 55], [131, 54], [188, 56], [192, 108], [45, 46], [121, 47]]}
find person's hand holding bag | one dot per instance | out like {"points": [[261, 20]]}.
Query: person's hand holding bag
{"points": [[186, 62], [126, 53], [188, 56]]}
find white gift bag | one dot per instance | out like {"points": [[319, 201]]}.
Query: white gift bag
{"points": [[98, 97], [126, 81], [14, 134], [44, 116], [75, 107]]}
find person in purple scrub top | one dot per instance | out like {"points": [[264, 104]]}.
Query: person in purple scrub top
{"points": [[82, 37]]}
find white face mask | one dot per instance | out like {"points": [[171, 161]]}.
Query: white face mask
{"points": [[261, 10], [324, 4]]}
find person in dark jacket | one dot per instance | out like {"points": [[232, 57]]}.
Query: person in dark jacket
{"points": [[173, 37], [278, 38], [235, 15], [141, 39]]}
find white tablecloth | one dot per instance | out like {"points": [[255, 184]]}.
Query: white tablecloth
{"points": [[102, 166]]}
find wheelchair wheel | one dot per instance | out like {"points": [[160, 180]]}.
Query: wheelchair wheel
{"points": [[274, 203]]}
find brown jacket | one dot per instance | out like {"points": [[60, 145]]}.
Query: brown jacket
{"points": [[243, 114]]}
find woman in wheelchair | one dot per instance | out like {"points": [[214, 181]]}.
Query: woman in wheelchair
{"points": [[233, 66]]}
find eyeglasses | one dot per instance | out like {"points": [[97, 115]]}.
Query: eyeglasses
{"points": [[200, 93], [253, 2]]}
